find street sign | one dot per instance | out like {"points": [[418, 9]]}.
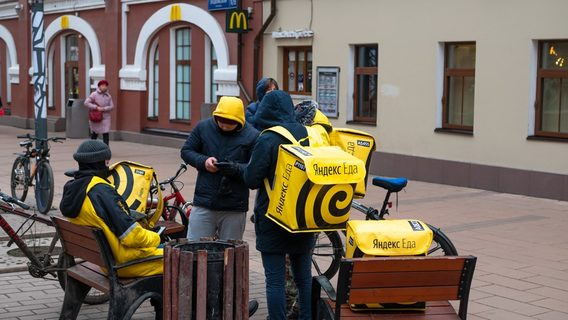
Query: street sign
{"points": [[236, 21], [213, 5]]}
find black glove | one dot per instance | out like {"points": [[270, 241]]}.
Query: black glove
{"points": [[231, 169]]}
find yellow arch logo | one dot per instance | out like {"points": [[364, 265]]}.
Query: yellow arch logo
{"points": [[237, 21], [175, 13], [64, 22]]}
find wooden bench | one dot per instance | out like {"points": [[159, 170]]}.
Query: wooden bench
{"points": [[91, 246], [396, 279]]}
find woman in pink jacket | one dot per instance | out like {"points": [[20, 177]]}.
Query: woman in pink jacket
{"points": [[102, 101]]}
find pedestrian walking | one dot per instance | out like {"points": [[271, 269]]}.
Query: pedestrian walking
{"points": [[100, 100]]}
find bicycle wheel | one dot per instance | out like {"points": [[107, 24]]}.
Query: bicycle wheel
{"points": [[44, 186], [20, 177], [93, 297], [327, 253], [441, 244], [176, 214]]}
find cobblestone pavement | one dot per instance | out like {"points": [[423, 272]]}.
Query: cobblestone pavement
{"points": [[520, 242]]}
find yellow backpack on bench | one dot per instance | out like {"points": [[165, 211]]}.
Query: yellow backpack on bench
{"points": [[313, 186], [133, 182], [387, 238]]}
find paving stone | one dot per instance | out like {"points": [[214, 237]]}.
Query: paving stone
{"points": [[510, 293], [551, 293], [508, 282], [513, 306], [552, 315], [498, 314], [553, 304]]}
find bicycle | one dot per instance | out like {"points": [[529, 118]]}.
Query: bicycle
{"points": [[180, 209], [22, 175], [40, 265], [328, 250]]}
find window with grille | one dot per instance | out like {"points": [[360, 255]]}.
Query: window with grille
{"points": [[183, 74]]}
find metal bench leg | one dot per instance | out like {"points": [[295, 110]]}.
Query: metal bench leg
{"points": [[75, 293], [158, 307]]}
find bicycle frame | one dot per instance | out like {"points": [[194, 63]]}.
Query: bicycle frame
{"points": [[175, 195], [40, 267]]}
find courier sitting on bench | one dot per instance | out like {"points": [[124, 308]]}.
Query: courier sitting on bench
{"points": [[396, 279], [91, 200]]}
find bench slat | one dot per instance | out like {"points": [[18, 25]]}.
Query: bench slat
{"points": [[90, 277], [387, 295], [171, 226], [435, 310], [69, 226], [406, 264], [404, 279], [81, 252]]}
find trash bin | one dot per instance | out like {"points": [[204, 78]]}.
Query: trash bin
{"points": [[226, 279], [76, 119]]}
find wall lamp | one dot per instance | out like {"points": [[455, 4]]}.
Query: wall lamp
{"points": [[18, 8]]}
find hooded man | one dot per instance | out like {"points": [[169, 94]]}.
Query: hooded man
{"points": [[273, 241], [220, 201], [91, 200], [264, 86]]}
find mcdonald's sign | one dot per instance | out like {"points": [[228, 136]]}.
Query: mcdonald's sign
{"points": [[236, 21]]}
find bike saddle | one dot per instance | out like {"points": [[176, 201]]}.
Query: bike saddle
{"points": [[390, 184]]}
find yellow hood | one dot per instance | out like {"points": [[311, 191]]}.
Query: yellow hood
{"points": [[231, 108], [322, 120]]}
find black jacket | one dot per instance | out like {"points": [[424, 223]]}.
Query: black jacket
{"points": [[211, 190], [276, 108]]}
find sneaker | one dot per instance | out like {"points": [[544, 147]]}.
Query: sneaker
{"points": [[253, 306]]}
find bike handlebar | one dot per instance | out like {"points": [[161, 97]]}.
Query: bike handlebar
{"points": [[182, 169], [34, 138], [9, 199]]}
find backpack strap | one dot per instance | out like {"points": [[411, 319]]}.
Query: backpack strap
{"points": [[288, 136], [283, 132]]}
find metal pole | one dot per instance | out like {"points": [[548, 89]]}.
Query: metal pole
{"points": [[38, 77]]}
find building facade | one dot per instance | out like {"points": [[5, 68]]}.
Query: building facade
{"points": [[166, 61], [468, 93]]}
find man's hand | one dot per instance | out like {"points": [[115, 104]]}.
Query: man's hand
{"points": [[210, 165], [230, 168]]}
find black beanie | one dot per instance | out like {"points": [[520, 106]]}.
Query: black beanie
{"points": [[92, 151]]}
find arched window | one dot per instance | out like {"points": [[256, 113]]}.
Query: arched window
{"points": [[72, 66]]}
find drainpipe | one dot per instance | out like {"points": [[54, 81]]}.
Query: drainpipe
{"points": [[257, 40], [240, 62]]}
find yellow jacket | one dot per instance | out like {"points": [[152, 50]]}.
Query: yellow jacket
{"points": [[104, 208]]}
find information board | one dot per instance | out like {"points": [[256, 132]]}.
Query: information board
{"points": [[327, 93]]}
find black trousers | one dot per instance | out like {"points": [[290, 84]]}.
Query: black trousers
{"points": [[94, 136]]}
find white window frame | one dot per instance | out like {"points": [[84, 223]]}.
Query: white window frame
{"points": [[151, 93]]}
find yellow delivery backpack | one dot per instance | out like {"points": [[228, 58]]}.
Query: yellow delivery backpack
{"points": [[359, 144], [133, 181], [313, 186], [387, 238]]}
